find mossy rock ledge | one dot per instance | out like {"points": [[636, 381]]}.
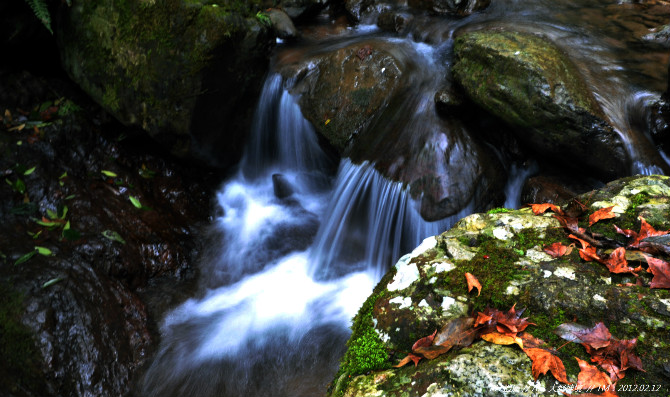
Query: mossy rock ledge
{"points": [[188, 72], [504, 250], [530, 83]]}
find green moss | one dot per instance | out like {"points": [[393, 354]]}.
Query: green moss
{"points": [[531, 238], [493, 265], [498, 210], [19, 367], [365, 351]]}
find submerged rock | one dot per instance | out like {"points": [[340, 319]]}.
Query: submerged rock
{"points": [[504, 250], [529, 83], [170, 67]]}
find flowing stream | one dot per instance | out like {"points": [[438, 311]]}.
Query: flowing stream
{"points": [[302, 237]]}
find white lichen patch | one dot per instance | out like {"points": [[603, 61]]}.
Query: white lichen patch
{"points": [[423, 303], [598, 298], [447, 302], [536, 255], [512, 290], [432, 280], [620, 203], [606, 280], [666, 302], [547, 273], [441, 267], [406, 274], [404, 302], [565, 272], [502, 234]]}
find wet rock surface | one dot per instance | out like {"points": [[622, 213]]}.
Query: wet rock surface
{"points": [[530, 84], [504, 250], [115, 222]]}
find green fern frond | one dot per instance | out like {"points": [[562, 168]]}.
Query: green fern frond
{"points": [[41, 11]]}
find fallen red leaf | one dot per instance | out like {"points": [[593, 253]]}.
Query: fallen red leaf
{"points": [[568, 222], [556, 250], [617, 357], [425, 341], [590, 377], [473, 283], [661, 271], [407, 359], [603, 213], [529, 341], [595, 337], [542, 208], [506, 323], [544, 361], [617, 263], [589, 254], [646, 230]]}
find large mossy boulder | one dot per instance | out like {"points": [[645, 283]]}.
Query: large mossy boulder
{"points": [[187, 72], [504, 249], [528, 82]]}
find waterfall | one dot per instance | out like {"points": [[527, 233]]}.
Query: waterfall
{"points": [[300, 250]]}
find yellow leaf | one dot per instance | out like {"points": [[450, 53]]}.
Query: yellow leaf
{"points": [[327, 121], [502, 339]]}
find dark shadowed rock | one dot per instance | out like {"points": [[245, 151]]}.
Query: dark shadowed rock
{"points": [[86, 326], [170, 67], [301, 9], [281, 23], [453, 7], [282, 187], [394, 21]]}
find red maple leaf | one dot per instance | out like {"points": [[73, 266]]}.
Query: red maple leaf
{"points": [[493, 320], [617, 263], [603, 213], [544, 361], [590, 377], [556, 250], [617, 357], [661, 271], [542, 208], [568, 223], [646, 230]]}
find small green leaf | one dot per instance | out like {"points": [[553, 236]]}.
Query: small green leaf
{"points": [[35, 235], [25, 257], [114, 236], [47, 224], [52, 282], [109, 173], [43, 251], [135, 201], [30, 171], [52, 214], [70, 197], [63, 212], [63, 176], [67, 226]]}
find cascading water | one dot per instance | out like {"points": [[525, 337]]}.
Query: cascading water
{"points": [[302, 242], [280, 295]]}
